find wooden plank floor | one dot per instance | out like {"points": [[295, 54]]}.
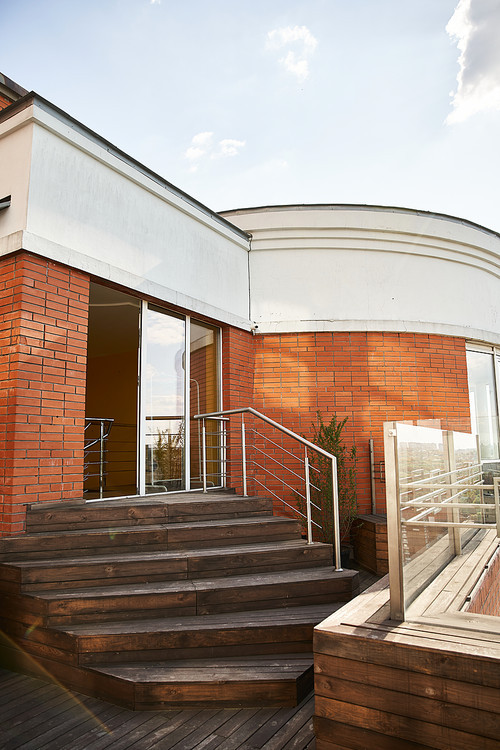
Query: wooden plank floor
{"points": [[36, 715]]}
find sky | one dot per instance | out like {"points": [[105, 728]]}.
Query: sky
{"points": [[386, 102]]}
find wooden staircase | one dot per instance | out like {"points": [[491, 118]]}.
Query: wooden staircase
{"points": [[169, 601]]}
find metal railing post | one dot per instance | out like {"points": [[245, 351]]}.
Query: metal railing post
{"points": [[204, 453], [223, 453], [336, 516], [372, 476], [101, 458], [308, 498], [496, 490], [243, 456], [394, 532], [450, 464]]}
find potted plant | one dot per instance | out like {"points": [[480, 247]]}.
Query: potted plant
{"points": [[328, 435]]}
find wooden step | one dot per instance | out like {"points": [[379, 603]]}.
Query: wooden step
{"points": [[147, 567], [168, 601], [161, 537], [244, 681], [184, 507], [195, 597], [270, 631]]}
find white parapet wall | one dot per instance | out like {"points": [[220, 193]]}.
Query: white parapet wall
{"points": [[351, 268], [78, 200]]}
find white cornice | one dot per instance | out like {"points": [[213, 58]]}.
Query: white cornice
{"points": [[90, 144], [390, 326], [375, 240]]}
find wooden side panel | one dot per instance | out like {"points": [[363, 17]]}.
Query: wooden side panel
{"points": [[385, 685], [335, 735], [404, 728]]}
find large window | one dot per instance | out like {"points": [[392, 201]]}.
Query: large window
{"points": [[483, 365]]}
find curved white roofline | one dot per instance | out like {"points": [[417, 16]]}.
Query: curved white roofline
{"points": [[358, 207], [347, 267]]}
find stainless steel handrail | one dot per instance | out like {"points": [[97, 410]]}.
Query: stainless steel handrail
{"points": [[284, 450], [224, 414], [105, 425]]}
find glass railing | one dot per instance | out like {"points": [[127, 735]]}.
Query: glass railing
{"points": [[439, 496]]}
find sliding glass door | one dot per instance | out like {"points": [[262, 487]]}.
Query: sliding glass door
{"points": [[149, 372], [179, 379], [163, 400]]}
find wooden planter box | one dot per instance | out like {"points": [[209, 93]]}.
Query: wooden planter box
{"points": [[369, 536]]}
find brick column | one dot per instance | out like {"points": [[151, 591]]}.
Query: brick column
{"points": [[237, 380], [237, 367], [43, 352]]}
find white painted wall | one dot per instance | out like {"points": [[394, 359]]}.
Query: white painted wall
{"points": [[78, 201], [102, 214], [15, 158], [359, 268]]}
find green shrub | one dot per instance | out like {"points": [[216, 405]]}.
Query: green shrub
{"points": [[329, 437]]}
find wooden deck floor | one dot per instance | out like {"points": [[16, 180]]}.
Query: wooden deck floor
{"points": [[36, 715]]}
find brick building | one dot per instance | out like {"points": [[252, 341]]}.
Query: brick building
{"points": [[125, 299]]}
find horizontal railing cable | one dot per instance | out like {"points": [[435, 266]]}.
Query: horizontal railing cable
{"points": [[237, 447]]}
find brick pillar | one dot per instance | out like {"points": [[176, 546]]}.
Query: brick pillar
{"points": [[237, 379], [237, 368], [43, 352]]}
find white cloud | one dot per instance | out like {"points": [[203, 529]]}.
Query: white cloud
{"points": [[158, 332], [202, 139], [475, 25], [229, 147], [202, 145], [193, 153], [286, 35], [300, 68], [303, 43], [155, 2]]}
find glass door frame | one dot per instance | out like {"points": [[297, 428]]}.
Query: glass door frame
{"points": [[494, 351], [141, 422]]}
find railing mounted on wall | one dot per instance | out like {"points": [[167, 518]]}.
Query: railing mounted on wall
{"points": [[247, 455], [95, 450], [439, 495]]}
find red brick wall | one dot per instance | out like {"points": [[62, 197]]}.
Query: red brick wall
{"points": [[4, 102], [486, 597], [43, 340], [368, 377], [237, 367], [237, 382]]}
